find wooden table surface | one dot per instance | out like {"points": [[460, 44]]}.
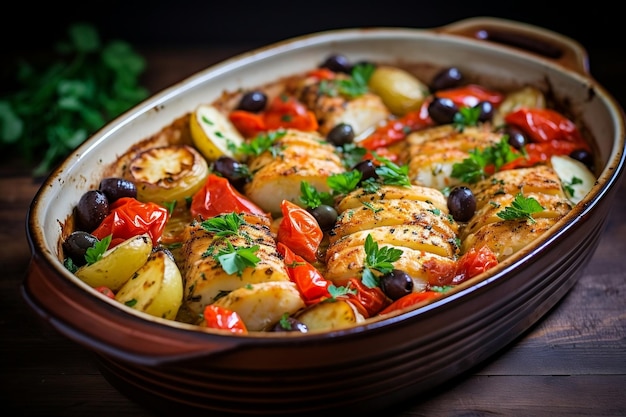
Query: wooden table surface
{"points": [[571, 363]]}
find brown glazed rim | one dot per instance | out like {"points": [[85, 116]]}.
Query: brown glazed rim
{"points": [[121, 332]]}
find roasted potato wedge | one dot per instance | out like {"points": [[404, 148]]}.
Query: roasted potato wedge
{"points": [[156, 288], [331, 315], [118, 264], [263, 304]]}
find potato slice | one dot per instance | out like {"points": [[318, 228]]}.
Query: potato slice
{"points": [[118, 264], [213, 134], [331, 315], [156, 288], [400, 90], [261, 305]]}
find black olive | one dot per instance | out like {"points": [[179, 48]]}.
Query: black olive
{"points": [[91, 209], [486, 111], [442, 110], [116, 188], [583, 156], [76, 245], [461, 203], [396, 284], [341, 134], [517, 138], [446, 78], [290, 324], [367, 169], [253, 101], [325, 215], [337, 63], [233, 170]]}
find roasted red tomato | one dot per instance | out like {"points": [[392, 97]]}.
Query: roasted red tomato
{"points": [[249, 124], [311, 283], [106, 291], [395, 130], [129, 217], [410, 300], [218, 196], [287, 112], [474, 262], [299, 231], [218, 317], [372, 300]]}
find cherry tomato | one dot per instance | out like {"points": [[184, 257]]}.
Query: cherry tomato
{"points": [[470, 95], [544, 125], [106, 291], [541, 152], [129, 217], [287, 112], [371, 300], [218, 317], [311, 283], [299, 231], [474, 262], [218, 196], [322, 74], [410, 300], [395, 130]]}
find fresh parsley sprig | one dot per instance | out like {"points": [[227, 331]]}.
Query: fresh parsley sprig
{"points": [[474, 167], [224, 225], [466, 116], [94, 253], [58, 104], [378, 259], [521, 208], [354, 86], [236, 260]]}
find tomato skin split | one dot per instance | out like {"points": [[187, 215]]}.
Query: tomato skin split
{"points": [[299, 231]]}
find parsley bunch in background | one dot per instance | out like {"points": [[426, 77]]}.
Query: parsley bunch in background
{"points": [[56, 108]]}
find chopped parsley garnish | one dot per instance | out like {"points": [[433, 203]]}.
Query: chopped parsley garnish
{"points": [[260, 144], [236, 260], [568, 186], [378, 259], [354, 86], [311, 198], [224, 224], [466, 116], [94, 253], [521, 208], [473, 168]]}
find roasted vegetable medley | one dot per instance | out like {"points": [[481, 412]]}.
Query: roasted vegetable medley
{"points": [[318, 201]]}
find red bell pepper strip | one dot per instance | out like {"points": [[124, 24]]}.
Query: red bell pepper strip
{"points": [[218, 317], [283, 112], [299, 231], [470, 95], [544, 125], [410, 300], [218, 196], [129, 217], [310, 282]]}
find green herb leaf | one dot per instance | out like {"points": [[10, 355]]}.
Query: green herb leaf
{"points": [[312, 198], [378, 259], [236, 260], [466, 116], [568, 186], [56, 107], [224, 224], [521, 207], [473, 168], [345, 182], [94, 253]]}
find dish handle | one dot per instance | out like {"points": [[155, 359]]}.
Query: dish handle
{"points": [[107, 329], [539, 41]]}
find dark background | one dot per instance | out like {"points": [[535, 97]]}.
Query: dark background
{"points": [[242, 25]]}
